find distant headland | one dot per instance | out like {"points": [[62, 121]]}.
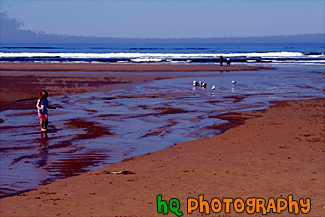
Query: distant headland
{"points": [[11, 32]]}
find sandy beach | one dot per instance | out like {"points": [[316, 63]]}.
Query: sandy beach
{"points": [[122, 67], [270, 154], [266, 154], [162, 108]]}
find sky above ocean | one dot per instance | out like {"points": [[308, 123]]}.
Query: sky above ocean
{"points": [[169, 19]]}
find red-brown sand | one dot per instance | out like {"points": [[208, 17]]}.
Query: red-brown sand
{"points": [[18, 89], [121, 67], [272, 153]]}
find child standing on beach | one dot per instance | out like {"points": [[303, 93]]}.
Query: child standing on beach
{"points": [[228, 61], [42, 105]]}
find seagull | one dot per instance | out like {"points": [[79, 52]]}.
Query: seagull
{"points": [[233, 82], [204, 84], [213, 87], [195, 83]]}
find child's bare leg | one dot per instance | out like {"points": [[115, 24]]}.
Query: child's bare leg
{"points": [[41, 122]]}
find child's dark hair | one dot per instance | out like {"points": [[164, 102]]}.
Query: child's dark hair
{"points": [[43, 95]]}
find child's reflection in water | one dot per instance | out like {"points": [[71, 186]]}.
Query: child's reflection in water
{"points": [[42, 150]]}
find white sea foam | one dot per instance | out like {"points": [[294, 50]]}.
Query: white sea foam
{"points": [[274, 57], [146, 60], [159, 55]]}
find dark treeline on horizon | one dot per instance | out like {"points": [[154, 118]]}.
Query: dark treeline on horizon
{"points": [[11, 32]]}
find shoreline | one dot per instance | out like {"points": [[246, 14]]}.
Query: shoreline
{"points": [[269, 153], [123, 67]]}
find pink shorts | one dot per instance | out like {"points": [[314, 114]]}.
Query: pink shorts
{"points": [[40, 115]]}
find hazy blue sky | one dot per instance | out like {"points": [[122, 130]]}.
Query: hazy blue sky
{"points": [[167, 18]]}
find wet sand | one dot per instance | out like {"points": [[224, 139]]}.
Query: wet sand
{"points": [[270, 153], [122, 67], [20, 89]]}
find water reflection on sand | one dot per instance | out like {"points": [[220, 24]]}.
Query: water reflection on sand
{"points": [[95, 129]]}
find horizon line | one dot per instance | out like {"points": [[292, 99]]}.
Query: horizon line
{"points": [[176, 38]]}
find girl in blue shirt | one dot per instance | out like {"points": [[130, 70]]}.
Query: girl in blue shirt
{"points": [[42, 105]]}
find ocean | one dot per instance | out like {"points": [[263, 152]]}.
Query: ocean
{"points": [[180, 53], [174, 110]]}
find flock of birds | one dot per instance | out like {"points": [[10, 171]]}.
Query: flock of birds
{"points": [[204, 85]]}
